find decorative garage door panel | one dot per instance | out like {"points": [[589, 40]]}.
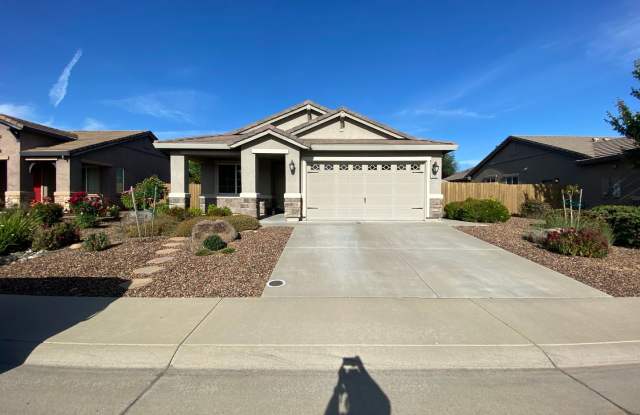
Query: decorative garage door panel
{"points": [[365, 191]]}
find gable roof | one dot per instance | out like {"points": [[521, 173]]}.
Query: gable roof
{"points": [[20, 124], [458, 176], [581, 147], [247, 133], [281, 114], [88, 140]]}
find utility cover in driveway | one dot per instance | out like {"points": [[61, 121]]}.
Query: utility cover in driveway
{"points": [[409, 260]]}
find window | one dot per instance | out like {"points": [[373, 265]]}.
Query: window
{"points": [[91, 179], [415, 167], [119, 179], [229, 179], [328, 166], [372, 167], [344, 167], [401, 167], [357, 167], [510, 179], [315, 167], [490, 179]]}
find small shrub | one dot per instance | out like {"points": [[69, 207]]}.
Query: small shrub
{"points": [[80, 202], [477, 210], [534, 209], [143, 193], [56, 236], [47, 213], [194, 212], [452, 210], [214, 210], [242, 222], [96, 242], [162, 226], [16, 230], [228, 250], [113, 211], [556, 220], [86, 220], [582, 242], [162, 208], [214, 243], [203, 252], [178, 213], [624, 222]]}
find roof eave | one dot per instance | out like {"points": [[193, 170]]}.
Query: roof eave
{"points": [[190, 146], [385, 147]]}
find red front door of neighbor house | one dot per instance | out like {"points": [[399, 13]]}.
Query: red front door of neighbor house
{"points": [[36, 173], [43, 175]]}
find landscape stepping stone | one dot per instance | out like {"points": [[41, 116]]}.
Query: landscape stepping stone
{"points": [[160, 260], [76, 246], [147, 270], [136, 283], [178, 239], [166, 251], [173, 244]]}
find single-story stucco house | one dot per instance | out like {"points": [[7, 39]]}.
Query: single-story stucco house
{"points": [[313, 163], [38, 162], [606, 168]]}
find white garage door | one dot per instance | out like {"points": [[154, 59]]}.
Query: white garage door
{"points": [[365, 191]]}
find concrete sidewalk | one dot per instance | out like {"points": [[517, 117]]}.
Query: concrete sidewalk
{"points": [[316, 334]]}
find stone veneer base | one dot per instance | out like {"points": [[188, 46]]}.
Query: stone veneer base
{"points": [[436, 208], [292, 208]]}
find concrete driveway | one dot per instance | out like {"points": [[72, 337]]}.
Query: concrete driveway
{"points": [[409, 260]]}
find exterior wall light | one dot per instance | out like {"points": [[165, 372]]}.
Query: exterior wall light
{"points": [[292, 167], [435, 168]]}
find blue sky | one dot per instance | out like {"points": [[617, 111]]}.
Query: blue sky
{"points": [[471, 72]]}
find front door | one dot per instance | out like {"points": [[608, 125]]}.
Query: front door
{"points": [[36, 173]]}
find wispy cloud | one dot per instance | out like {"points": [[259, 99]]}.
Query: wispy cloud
{"points": [[17, 110], [450, 112], [59, 89], [184, 133], [93, 124], [171, 105], [617, 40]]}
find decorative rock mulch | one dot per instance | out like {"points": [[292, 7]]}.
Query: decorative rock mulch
{"points": [[618, 274], [243, 273]]}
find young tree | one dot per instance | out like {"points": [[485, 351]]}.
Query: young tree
{"points": [[627, 122], [194, 171], [449, 164]]}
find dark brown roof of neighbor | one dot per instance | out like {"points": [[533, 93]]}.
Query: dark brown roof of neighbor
{"points": [[589, 146], [457, 175], [87, 140], [20, 124]]}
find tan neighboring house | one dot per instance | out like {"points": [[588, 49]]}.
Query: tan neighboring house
{"points": [[39, 162], [313, 163], [603, 166]]}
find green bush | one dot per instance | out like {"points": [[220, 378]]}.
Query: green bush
{"points": [[578, 242], [86, 220], [214, 243], [555, 219], [162, 226], [624, 222], [162, 208], [178, 213], [478, 210], [47, 213], [113, 211], [143, 193], [228, 250], [452, 210], [242, 222], [56, 236], [535, 209], [214, 210], [194, 212], [204, 252], [16, 230], [96, 242]]}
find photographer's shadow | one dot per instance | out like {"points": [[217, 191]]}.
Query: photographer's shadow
{"points": [[356, 392]]}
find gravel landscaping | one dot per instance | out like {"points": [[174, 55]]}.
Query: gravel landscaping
{"points": [[242, 273], [618, 274]]}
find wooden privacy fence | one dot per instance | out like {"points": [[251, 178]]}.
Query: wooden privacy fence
{"points": [[194, 191], [511, 195]]}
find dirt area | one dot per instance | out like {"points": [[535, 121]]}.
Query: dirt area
{"points": [[79, 273], [618, 274]]}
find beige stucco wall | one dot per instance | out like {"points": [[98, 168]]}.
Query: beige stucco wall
{"points": [[248, 160], [352, 129], [292, 120]]}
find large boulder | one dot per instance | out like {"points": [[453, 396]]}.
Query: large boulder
{"points": [[205, 228]]}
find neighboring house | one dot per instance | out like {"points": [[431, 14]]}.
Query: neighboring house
{"points": [[602, 166], [460, 176], [313, 163], [39, 162]]}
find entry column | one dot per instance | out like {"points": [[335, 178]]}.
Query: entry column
{"points": [[292, 196]]}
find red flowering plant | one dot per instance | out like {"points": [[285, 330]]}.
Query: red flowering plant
{"points": [[86, 207]]}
